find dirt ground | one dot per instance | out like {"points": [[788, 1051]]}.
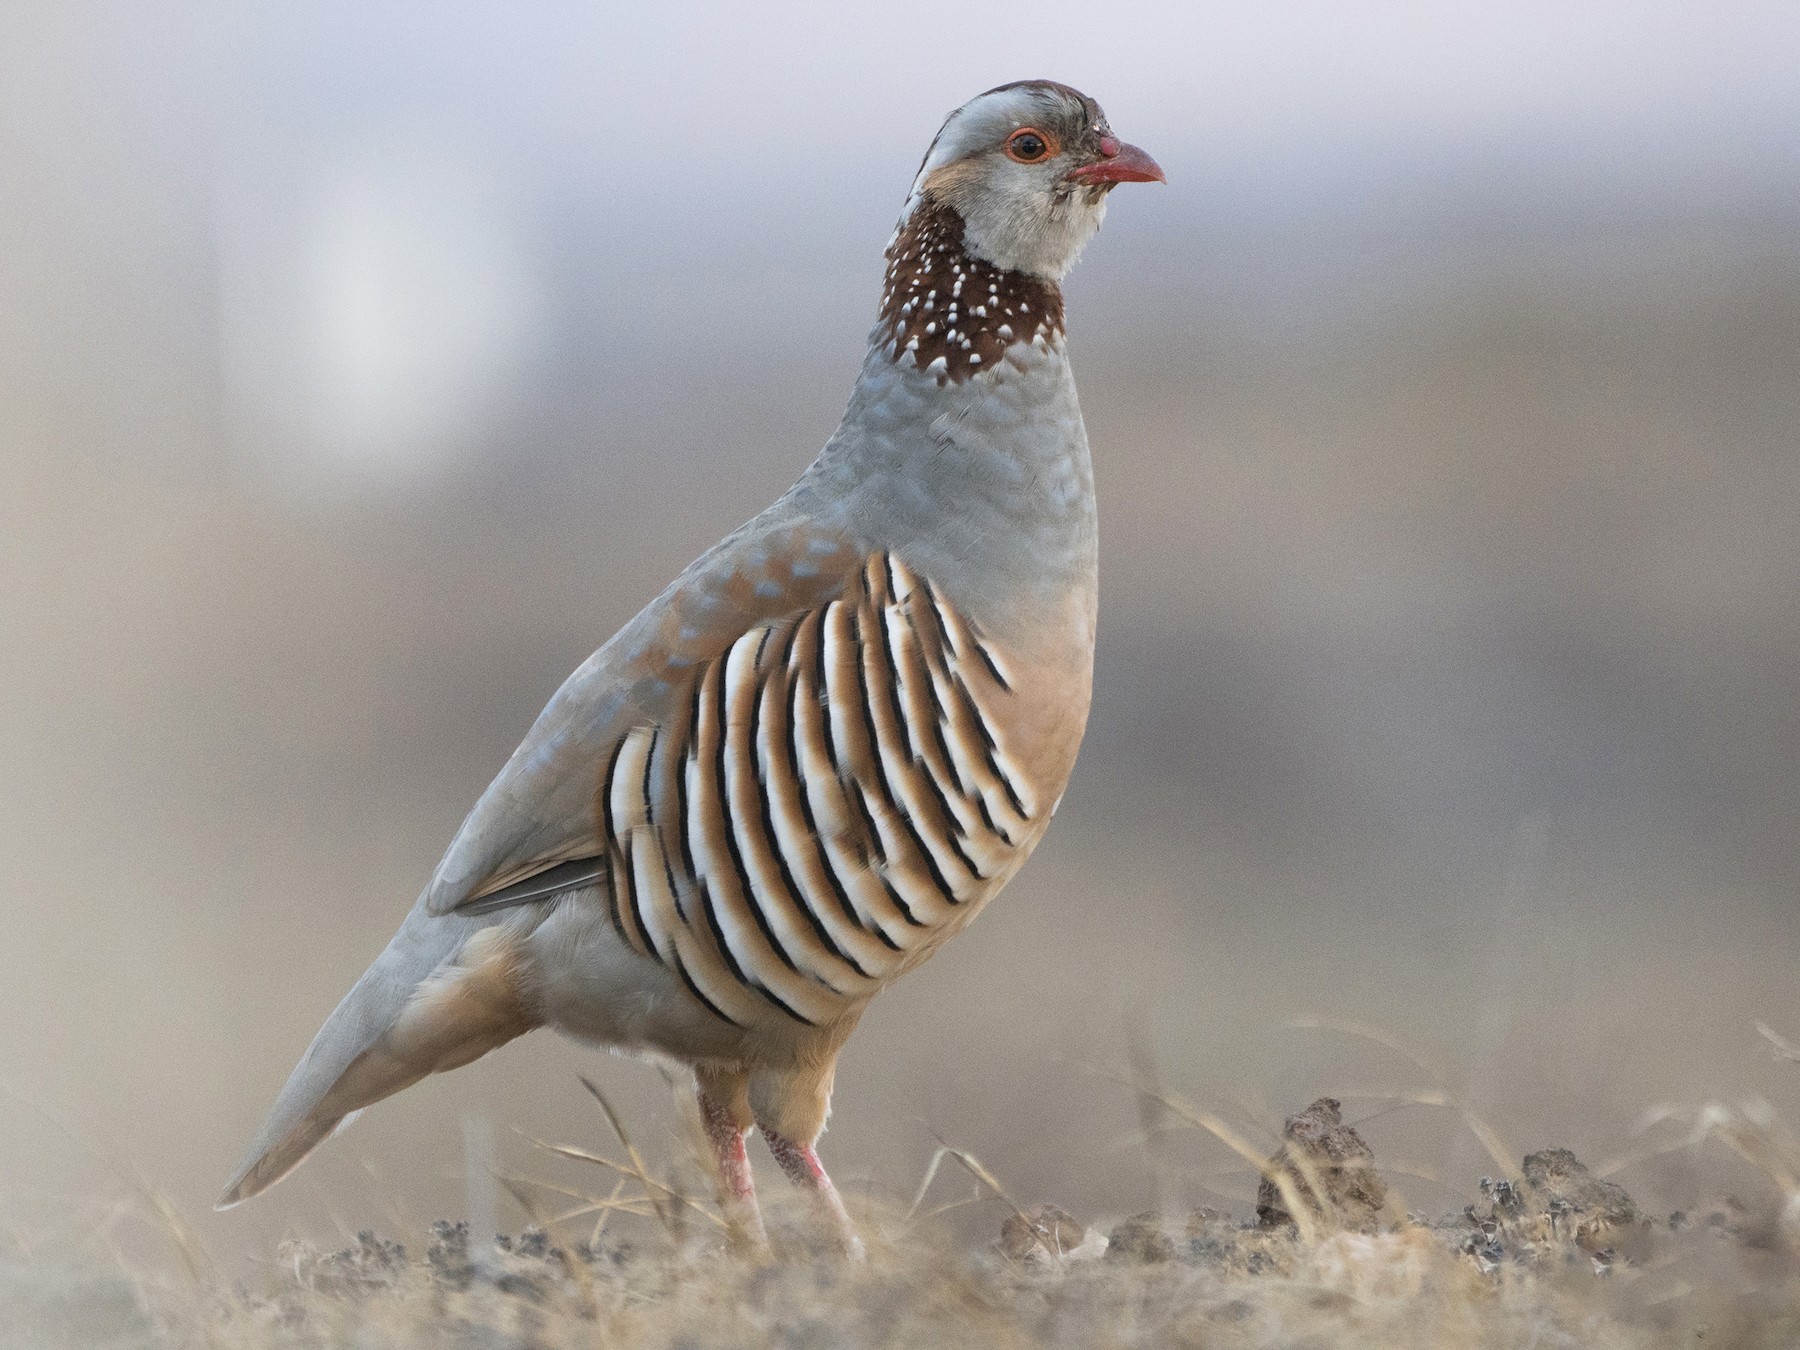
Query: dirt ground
{"points": [[1552, 1255]]}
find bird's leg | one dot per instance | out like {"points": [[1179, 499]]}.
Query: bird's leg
{"points": [[803, 1168], [737, 1187]]}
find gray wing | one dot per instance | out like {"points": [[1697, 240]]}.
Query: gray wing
{"points": [[545, 885], [538, 817]]}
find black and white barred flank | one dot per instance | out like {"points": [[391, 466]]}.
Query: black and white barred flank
{"points": [[833, 793]]}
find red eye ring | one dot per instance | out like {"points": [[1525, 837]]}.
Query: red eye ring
{"points": [[1025, 139]]}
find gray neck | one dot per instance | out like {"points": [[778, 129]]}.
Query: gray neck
{"points": [[985, 485]]}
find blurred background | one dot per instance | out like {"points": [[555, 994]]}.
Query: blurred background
{"points": [[363, 366]]}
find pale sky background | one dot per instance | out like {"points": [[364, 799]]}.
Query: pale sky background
{"points": [[378, 190]]}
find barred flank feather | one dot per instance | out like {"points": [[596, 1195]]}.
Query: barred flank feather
{"points": [[834, 789]]}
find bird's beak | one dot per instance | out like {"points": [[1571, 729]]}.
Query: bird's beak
{"points": [[1119, 163]]}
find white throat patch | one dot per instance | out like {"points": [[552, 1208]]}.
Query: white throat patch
{"points": [[1016, 216]]}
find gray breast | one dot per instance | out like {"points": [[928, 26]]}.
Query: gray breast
{"points": [[986, 486]]}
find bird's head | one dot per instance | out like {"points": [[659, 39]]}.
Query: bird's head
{"points": [[1028, 167]]}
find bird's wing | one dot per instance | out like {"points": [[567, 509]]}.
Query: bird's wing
{"points": [[540, 817]]}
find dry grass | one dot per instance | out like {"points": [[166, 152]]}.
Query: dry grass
{"points": [[1552, 1256]]}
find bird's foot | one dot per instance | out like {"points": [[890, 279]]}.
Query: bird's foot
{"points": [[803, 1168]]}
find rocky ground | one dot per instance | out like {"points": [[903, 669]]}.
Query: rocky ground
{"points": [[1551, 1256]]}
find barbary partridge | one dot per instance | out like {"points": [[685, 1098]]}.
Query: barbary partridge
{"points": [[816, 755]]}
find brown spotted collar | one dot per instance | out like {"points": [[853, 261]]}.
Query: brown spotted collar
{"points": [[952, 314]]}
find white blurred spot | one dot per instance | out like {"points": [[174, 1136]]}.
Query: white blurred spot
{"points": [[375, 312]]}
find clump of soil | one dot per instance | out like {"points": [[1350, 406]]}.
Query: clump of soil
{"points": [[1324, 1164], [1044, 1231], [1558, 1211], [1587, 1208], [1326, 1167], [1554, 1213]]}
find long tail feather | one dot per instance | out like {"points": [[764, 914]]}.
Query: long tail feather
{"points": [[444, 993]]}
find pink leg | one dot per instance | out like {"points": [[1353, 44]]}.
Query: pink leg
{"points": [[803, 1168], [737, 1187]]}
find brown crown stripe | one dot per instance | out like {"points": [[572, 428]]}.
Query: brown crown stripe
{"points": [[940, 304]]}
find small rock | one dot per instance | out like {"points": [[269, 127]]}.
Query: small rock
{"points": [[1232, 1249], [1503, 1195], [1212, 1237], [371, 1264], [1318, 1142], [534, 1243], [1582, 1207], [1040, 1233], [613, 1252], [448, 1254], [1485, 1250], [1727, 1216], [1141, 1238]]}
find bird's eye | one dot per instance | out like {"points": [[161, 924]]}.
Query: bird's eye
{"points": [[1028, 145]]}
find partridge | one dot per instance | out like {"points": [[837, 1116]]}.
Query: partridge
{"points": [[813, 758]]}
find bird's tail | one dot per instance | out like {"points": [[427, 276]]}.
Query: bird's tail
{"points": [[444, 993]]}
